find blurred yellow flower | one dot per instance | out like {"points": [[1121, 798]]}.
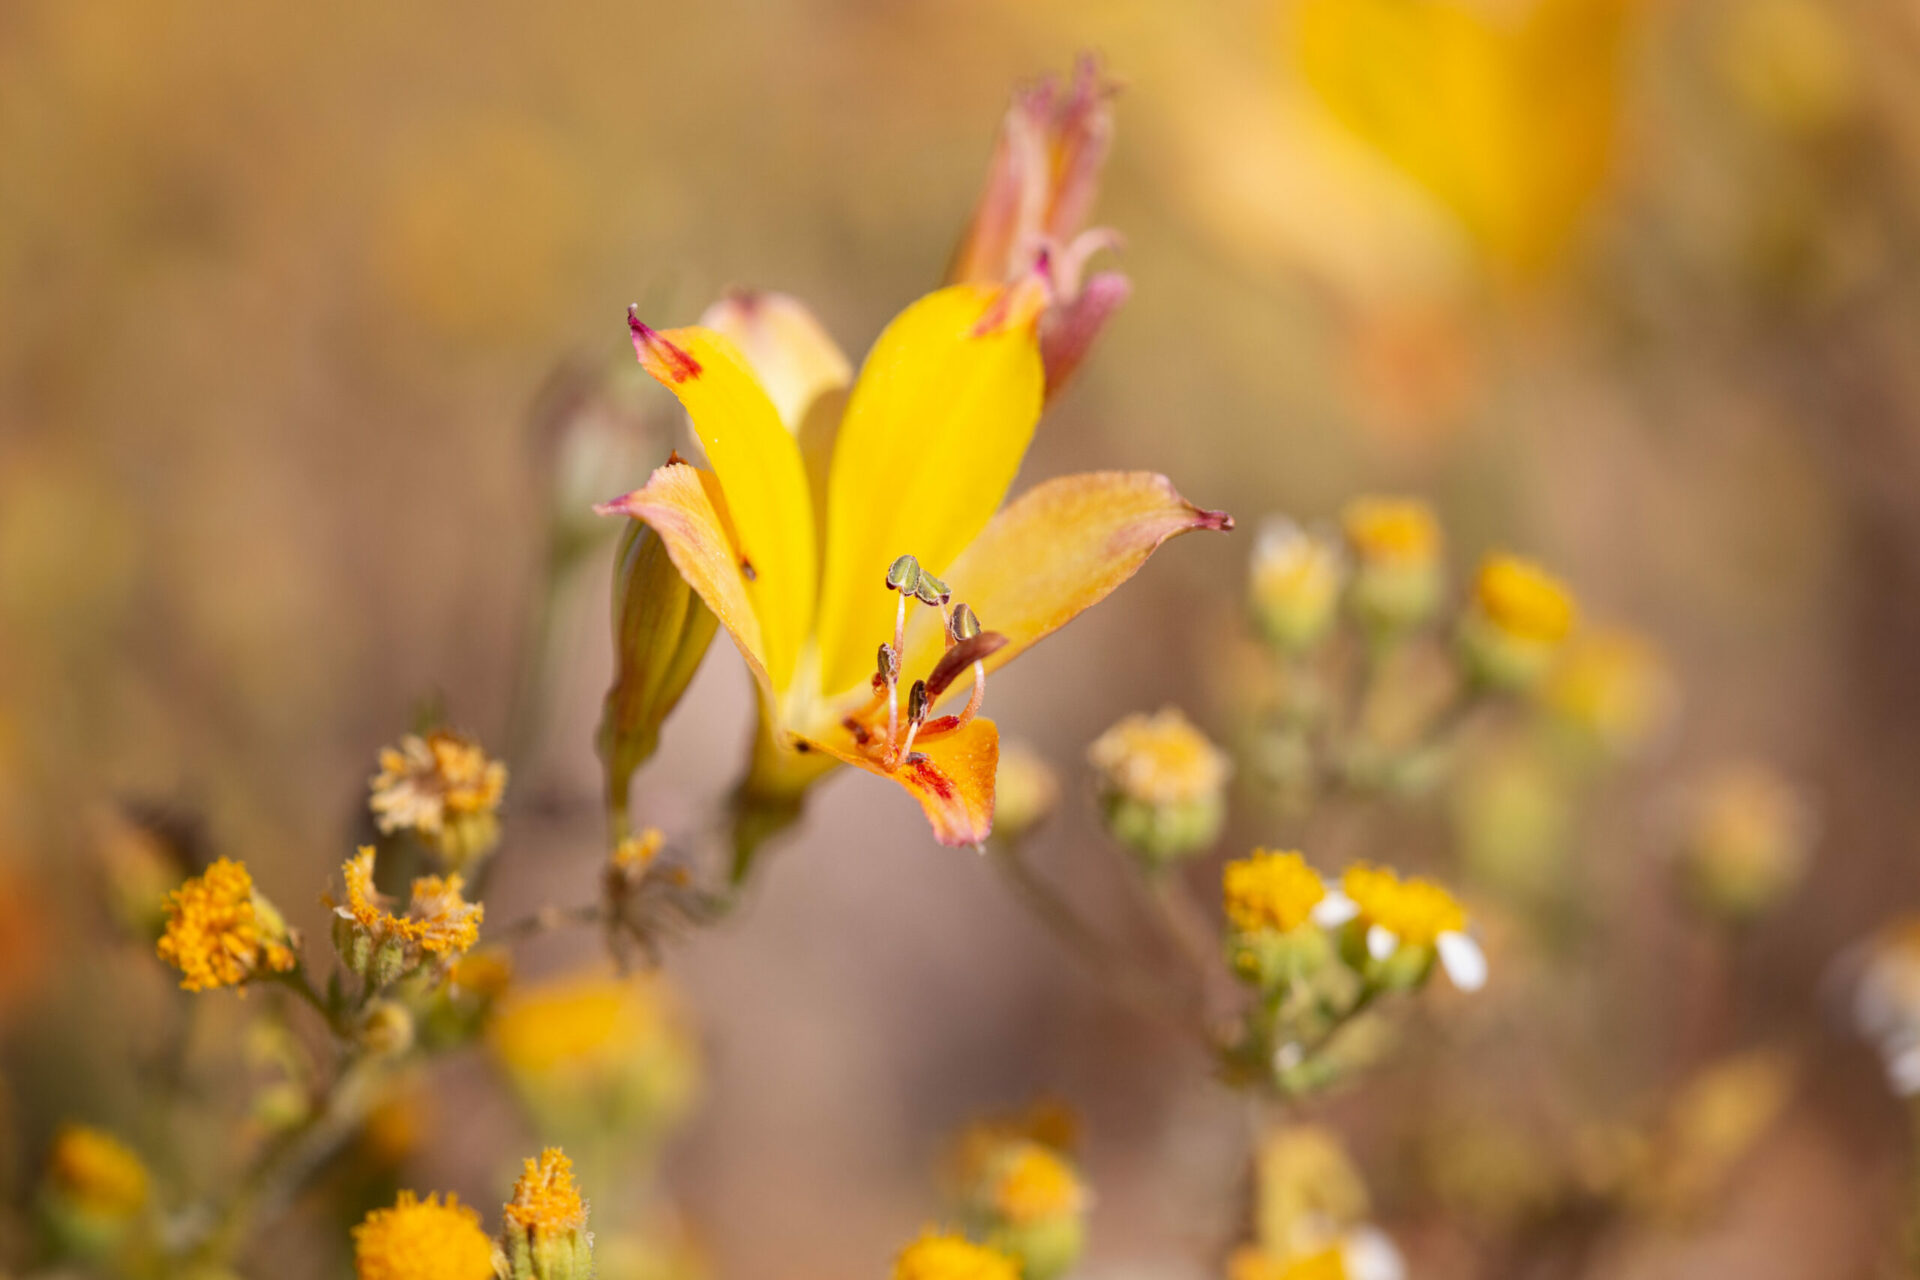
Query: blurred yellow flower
{"points": [[423, 1240], [951, 1257], [1268, 890], [1251, 1263], [1789, 62], [1162, 784], [1415, 919], [1749, 834], [1026, 790], [1506, 113], [1033, 1182], [1396, 544], [1520, 617], [1307, 1190], [220, 932], [445, 790], [1295, 583], [1613, 686], [97, 1173]]}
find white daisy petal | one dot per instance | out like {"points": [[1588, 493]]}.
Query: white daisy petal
{"points": [[1367, 1254], [1464, 961], [1381, 943], [1334, 910]]}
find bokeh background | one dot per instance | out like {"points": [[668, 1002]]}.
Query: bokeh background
{"points": [[1624, 284]]}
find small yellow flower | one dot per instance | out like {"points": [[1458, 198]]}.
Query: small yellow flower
{"points": [[1391, 531], [1162, 784], [484, 973], [546, 1223], [1396, 545], [1268, 890], [422, 1240], [1295, 583], [636, 853], [1034, 1183], [220, 932], [950, 1257], [1416, 915], [1251, 1263], [445, 790], [439, 923], [1749, 836], [1523, 601], [97, 1173], [1612, 687]]}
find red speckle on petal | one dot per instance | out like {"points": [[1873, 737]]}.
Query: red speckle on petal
{"points": [[659, 357]]}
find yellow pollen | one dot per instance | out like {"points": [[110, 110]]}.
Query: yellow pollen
{"points": [[422, 1240], [438, 921], [1523, 601], [215, 935], [1036, 1185], [633, 855], [951, 1257], [545, 1200], [97, 1171], [1160, 759], [423, 781], [1413, 910], [1396, 531], [1268, 890]]}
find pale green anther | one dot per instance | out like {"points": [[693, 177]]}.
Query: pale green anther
{"points": [[917, 701], [903, 575], [931, 590], [963, 623]]}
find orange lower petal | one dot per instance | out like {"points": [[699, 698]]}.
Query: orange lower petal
{"points": [[685, 506], [954, 783]]}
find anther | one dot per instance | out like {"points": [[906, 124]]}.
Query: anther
{"points": [[962, 624], [904, 575], [889, 667], [933, 591], [917, 702]]}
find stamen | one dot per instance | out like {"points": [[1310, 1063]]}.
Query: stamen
{"points": [[917, 704]]}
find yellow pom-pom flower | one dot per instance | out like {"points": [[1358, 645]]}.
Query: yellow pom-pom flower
{"points": [[220, 932], [1268, 890], [1414, 918], [950, 1257], [1162, 785], [1520, 617], [445, 790], [439, 923], [546, 1237], [422, 1240]]}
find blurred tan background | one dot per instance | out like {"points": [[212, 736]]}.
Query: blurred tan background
{"points": [[1627, 286]]}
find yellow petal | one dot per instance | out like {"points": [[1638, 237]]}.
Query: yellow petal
{"points": [[759, 468], [786, 347], [1055, 550], [936, 428], [686, 506], [954, 783]]}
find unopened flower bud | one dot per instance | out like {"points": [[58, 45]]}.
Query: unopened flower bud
{"points": [[661, 630], [1162, 786], [1397, 575], [386, 1029], [1519, 619]]}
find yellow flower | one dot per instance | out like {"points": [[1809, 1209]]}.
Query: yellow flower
{"points": [[1396, 531], [422, 1240], [951, 1257], [1307, 1190], [1396, 546], [439, 923], [1612, 686], [1251, 1263], [1748, 839], [1412, 914], [1162, 784], [1033, 1183], [220, 932], [546, 1222], [444, 789], [1523, 601], [97, 1173], [590, 1053], [1296, 578], [815, 548], [1267, 890], [636, 853]]}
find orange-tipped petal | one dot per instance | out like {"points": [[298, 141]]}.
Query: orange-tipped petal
{"points": [[954, 783], [1055, 550], [686, 507], [758, 464]]}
